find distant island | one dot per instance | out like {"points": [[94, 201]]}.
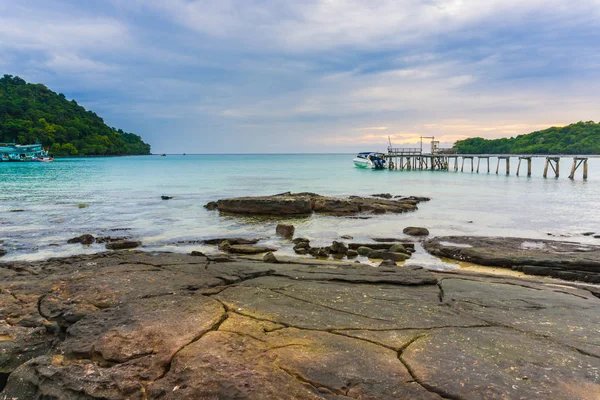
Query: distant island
{"points": [[579, 138], [31, 113]]}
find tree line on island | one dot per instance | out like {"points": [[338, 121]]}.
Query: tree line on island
{"points": [[32, 113], [578, 138]]}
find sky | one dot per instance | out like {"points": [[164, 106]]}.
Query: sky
{"points": [[325, 76]]}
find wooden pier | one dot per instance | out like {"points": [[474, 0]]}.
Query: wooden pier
{"points": [[443, 160]]}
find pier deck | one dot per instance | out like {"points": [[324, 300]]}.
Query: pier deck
{"points": [[414, 159]]}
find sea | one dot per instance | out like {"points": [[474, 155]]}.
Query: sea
{"points": [[42, 205]]}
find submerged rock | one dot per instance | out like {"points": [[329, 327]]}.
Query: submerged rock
{"points": [[383, 195], [2, 252], [364, 250], [230, 240], [285, 230], [123, 244], [388, 255], [83, 239], [415, 231], [166, 197]]}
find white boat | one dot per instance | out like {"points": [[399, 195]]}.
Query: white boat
{"points": [[370, 160]]}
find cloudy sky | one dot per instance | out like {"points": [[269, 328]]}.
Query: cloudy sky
{"points": [[264, 76]]}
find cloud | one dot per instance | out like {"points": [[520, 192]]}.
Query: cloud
{"points": [[316, 75]]}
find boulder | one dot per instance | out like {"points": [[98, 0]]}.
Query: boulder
{"points": [[270, 258], [352, 254], [387, 263], [364, 251], [304, 246], [398, 248], [2, 252], [123, 244], [166, 197], [415, 231], [338, 248], [285, 230], [197, 253], [83, 239]]}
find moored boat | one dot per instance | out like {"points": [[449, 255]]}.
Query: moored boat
{"points": [[28, 152], [370, 160]]}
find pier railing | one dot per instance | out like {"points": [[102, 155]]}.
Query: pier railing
{"points": [[404, 151]]}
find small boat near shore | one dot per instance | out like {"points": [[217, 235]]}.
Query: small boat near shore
{"points": [[372, 160], [13, 152]]}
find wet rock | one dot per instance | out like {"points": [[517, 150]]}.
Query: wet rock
{"points": [[249, 249], [123, 244], [166, 197], [387, 263], [270, 258], [2, 252], [347, 237], [197, 253], [398, 248], [588, 233], [319, 252], [107, 239], [383, 195], [300, 240], [352, 254], [415, 231], [211, 206], [285, 230], [230, 240], [364, 251], [83, 239], [301, 246], [307, 203], [224, 245], [388, 255], [338, 248], [564, 260]]}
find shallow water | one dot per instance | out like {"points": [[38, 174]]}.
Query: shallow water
{"points": [[121, 197]]}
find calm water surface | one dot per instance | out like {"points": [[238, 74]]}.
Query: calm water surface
{"points": [[121, 196]]}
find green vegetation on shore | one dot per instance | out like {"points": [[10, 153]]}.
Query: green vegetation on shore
{"points": [[579, 138], [32, 112]]}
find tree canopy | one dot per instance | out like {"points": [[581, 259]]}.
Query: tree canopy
{"points": [[31, 113], [579, 138]]}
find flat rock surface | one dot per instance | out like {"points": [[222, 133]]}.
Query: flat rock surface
{"points": [[307, 203], [565, 260], [134, 325]]}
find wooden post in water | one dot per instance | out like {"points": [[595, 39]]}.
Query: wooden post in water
{"points": [[585, 169], [456, 164], [573, 168], [462, 168], [519, 166], [488, 162], [546, 167], [478, 161], [529, 167], [498, 166], [507, 165]]}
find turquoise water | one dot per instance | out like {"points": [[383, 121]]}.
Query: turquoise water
{"points": [[121, 197]]}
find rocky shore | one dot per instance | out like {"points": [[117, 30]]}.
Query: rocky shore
{"points": [[135, 325]]}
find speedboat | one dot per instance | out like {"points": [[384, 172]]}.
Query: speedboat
{"points": [[370, 160]]}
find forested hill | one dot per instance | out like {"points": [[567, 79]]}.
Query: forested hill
{"points": [[579, 138], [32, 112]]}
